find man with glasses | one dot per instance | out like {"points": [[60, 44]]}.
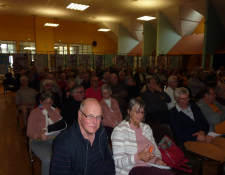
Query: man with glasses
{"points": [[172, 85], [213, 111], [94, 91], [192, 129], [72, 104], [83, 148]]}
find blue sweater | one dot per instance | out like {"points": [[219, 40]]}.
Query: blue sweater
{"points": [[183, 126], [73, 154]]}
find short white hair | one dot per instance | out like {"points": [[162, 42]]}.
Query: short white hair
{"points": [[46, 82], [23, 78], [180, 90], [171, 78]]}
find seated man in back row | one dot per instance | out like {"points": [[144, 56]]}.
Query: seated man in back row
{"points": [[83, 148], [191, 128]]}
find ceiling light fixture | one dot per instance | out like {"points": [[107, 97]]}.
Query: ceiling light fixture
{"points": [[55, 47], [80, 7], [51, 25], [29, 48], [104, 30], [146, 18]]}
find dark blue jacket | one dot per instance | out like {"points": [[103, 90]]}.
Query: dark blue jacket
{"points": [[73, 151], [183, 126]]}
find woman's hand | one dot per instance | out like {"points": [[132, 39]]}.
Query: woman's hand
{"points": [[160, 162], [145, 155], [42, 135]]}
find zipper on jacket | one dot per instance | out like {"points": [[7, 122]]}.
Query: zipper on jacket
{"points": [[101, 149], [86, 160]]}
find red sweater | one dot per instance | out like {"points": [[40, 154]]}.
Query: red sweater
{"points": [[62, 84], [101, 83], [92, 93]]}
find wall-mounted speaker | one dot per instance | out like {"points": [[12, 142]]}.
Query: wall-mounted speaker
{"points": [[94, 43]]}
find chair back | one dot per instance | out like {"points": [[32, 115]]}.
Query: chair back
{"points": [[159, 130]]}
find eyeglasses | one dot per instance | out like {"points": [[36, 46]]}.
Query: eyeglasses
{"points": [[81, 92], [89, 117], [140, 112], [105, 93], [49, 103], [184, 99]]}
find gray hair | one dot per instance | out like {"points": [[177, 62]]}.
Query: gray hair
{"points": [[106, 73], [180, 90], [171, 78], [218, 88], [45, 95], [47, 81], [73, 89], [127, 78], [106, 87], [131, 104], [23, 78], [70, 80]]}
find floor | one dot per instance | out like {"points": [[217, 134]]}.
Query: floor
{"points": [[14, 157]]}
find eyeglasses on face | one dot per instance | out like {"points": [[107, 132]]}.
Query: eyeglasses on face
{"points": [[90, 117], [140, 112], [184, 99], [81, 92]]}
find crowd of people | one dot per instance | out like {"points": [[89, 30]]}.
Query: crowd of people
{"points": [[69, 116]]}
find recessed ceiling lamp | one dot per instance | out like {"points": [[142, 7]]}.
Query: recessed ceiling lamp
{"points": [[29, 48], [146, 18], [80, 7], [51, 25], [104, 30]]}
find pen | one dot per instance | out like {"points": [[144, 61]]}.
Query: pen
{"points": [[150, 150]]}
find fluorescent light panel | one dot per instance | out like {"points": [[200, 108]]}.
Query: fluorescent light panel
{"points": [[146, 18], [55, 47], [75, 6], [104, 30], [29, 48], [51, 25]]}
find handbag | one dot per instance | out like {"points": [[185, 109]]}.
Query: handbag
{"points": [[172, 155]]}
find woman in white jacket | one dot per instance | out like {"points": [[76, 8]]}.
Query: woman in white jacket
{"points": [[132, 141]]}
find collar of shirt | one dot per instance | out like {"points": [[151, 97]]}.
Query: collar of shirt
{"points": [[180, 109]]}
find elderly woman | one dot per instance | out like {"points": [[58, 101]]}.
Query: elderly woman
{"points": [[131, 142], [131, 89], [43, 124], [110, 110], [25, 100]]}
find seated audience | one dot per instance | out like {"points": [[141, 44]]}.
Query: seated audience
{"points": [[161, 76], [83, 148], [86, 83], [131, 142], [105, 79], [194, 84], [220, 78], [211, 77], [150, 71], [121, 80], [139, 78], [94, 91], [48, 87], [32, 82], [72, 104], [17, 80], [79, 78], [40, 76], [213, 111], [118, 92], [202, 78], [110, 110], [220, 94], [191, 128], [25, 100], [68, 73], [155, 100], [132, 91], [43, 121], [70, 83], [172, 85], [62, 83], [55, 87], [221, 69], [183, 78]]}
